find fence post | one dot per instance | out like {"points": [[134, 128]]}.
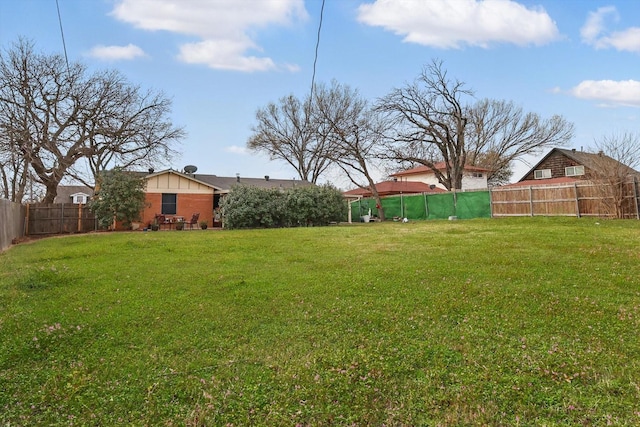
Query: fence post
{"points": [[635, 196], [490, 202], [426, 206], [531, 199], [80, 206], [26, 221], [575, 187]]}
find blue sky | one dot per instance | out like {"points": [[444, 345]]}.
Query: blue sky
{"points": [[221, 60]]}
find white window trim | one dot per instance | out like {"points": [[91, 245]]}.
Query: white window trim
{"points": [[542, 173], [79, 199], [575, 170]]}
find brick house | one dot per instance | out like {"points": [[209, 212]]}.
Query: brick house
{"points": [[175, 194]]}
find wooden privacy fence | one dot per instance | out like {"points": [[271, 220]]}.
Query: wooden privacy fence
{"points": [[12, 220], [59, 218], [579, 199]]}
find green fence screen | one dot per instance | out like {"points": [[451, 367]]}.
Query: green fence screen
{"points": [[464, 205]]}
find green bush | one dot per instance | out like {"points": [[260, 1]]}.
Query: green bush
{"points": [[119, 196], [253, 207]]}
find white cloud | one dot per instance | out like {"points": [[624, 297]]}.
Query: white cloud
{"points": [[625, 40], [594, 32], [610, 92], [225, 28], [116, 53], [235, 149], [224, 55], [452, 24], [594, 24]]}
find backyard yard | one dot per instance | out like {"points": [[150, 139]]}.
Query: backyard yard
{"points": [[521, 321]]}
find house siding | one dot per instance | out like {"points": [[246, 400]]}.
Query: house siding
{"points": [[556, 162], [172, 183], [187, 205], [191, 197], [469, 182], [427, 178]]}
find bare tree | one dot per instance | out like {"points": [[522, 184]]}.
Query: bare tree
{"points": [[430, 123], [14, 170], [435, 122], [499, 132], [53, 115], [286, 131], [614, 170], [129, 128], [356, 133]]}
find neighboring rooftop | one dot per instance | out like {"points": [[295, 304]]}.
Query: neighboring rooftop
{"points": [[65, 192], [225, 183], [440, 166], [387, 188], [537, 182], [591, 161]]}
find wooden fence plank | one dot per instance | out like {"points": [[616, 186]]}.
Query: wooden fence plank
{"points": [[584, 198], [59, 218]]}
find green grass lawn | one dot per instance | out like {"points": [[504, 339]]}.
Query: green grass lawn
{"points": [[529, 321]]}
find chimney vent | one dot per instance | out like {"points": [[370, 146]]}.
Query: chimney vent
{"points": [[151, 171], [266, 177]]}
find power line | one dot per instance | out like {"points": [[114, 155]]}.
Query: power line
{"points": [[64, 45], [315, 59]]}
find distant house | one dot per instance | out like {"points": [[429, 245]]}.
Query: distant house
{"points": [[76, 194], [473, 177], [562, 166], [389, 188], [175, 194]]}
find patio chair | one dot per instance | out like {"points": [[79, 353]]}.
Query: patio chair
{"points": [[194, 220], [160, 220]]}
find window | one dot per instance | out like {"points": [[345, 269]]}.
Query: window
{"points": [[79, 198], [477, 174], [169, 204], [574, 170], [542, 173]]}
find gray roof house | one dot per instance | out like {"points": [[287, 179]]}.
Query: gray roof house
{"points": [[76, 194]]}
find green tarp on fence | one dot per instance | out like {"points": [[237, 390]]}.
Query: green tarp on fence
{"points": [[473, 204], [464, 205]]}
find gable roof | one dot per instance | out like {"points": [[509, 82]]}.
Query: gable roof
{"points": [[441, 166], [387, 188], [539, 182], [183, 175], [224, 184], [65, 192], [588, 160]]}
